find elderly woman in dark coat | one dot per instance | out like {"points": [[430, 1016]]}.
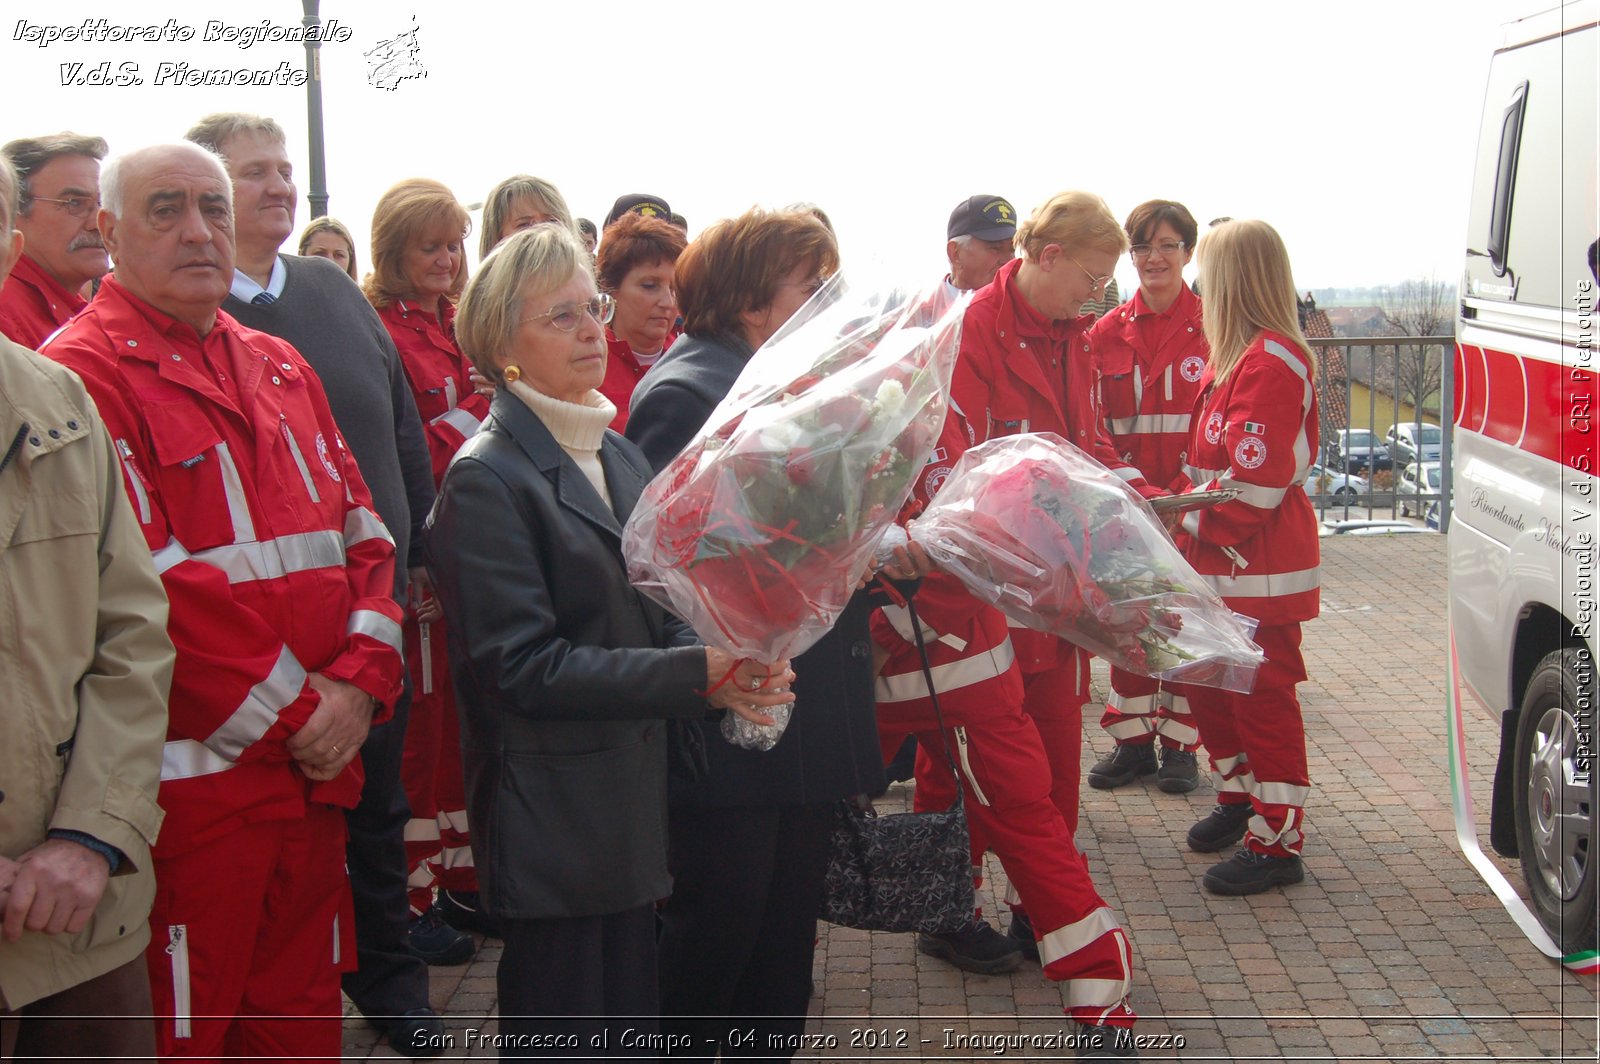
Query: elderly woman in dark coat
{"points": [[566, 677], [749, 839]]}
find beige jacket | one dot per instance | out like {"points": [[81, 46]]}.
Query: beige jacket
{"points": [[85, 664]]}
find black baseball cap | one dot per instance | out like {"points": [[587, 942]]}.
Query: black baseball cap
{"points": [[985, 217], [640, 203]]}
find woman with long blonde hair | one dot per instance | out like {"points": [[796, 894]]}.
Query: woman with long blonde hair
{"points": [[1255, 431]]}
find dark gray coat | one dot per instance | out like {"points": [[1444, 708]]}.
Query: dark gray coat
{"points": [[564, 674]]}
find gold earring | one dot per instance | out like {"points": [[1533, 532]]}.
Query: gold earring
{"points": [[512, 374]]}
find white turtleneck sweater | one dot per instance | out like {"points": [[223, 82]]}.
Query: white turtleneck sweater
{"points": [[578, 427]]}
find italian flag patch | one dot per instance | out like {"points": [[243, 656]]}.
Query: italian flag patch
{"points": [[1255, 428]]}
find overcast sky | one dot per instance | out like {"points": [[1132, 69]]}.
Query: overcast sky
{"points": [[1348, 126]]}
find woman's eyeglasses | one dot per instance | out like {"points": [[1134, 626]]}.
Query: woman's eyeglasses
{"points": [[566, 316], [1166, 249]]}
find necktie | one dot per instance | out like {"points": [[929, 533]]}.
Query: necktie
{"points": [[263, 299]]}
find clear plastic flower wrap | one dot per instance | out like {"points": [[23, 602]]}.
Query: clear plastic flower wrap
{"points": [[757, 533], [1058, 542]]}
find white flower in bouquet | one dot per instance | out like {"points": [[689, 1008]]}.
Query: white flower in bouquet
{"points": [[889, 400]]}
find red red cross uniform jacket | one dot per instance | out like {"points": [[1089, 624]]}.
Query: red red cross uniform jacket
{"points": [[1257, 432], [33, 304], [623, 374], [264, 535], [440, 382], [1147, 374]]}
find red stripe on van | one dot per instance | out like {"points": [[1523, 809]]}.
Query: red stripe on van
{"points": [[1540, 407]]}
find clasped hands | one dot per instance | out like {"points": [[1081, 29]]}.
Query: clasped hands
{"points": [[750, 689], [332, 737]]}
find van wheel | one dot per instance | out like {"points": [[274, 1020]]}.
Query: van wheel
{"points": [[1557, 791]]}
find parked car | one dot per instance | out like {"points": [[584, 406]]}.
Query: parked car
{"points": [[1344, 487], [1357, 451], [1417, 481], [1407, 440]]}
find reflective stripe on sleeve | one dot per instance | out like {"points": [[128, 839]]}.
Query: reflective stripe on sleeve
{"points": [[183, 759], [376, 626], [459, 420], [260, 708], [1148, 423], [362, 524], [1257, 495]]}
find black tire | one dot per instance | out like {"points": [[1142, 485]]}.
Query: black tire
{"points": [[1344, 494], [1557, 797]]}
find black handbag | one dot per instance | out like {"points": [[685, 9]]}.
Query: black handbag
{"points": [[902, 871]]}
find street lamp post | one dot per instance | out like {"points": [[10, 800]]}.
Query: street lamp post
{"points": [[318, 194]]}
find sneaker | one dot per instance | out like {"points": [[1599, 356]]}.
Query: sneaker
{"points": [[979, 948], [1180, 771], [1249, 872], [418, 1034], [463, 910], [1021, 932], [1224, 827], [1124, 764], [436, 942], [1105, 1043]]}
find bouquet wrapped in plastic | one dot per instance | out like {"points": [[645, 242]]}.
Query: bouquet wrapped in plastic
{"points": [[757, 533], [1055, 540]]}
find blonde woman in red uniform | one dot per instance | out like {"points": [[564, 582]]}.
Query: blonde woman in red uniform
{"points": [[1149, 355], [1255, 430], [418, 269]]}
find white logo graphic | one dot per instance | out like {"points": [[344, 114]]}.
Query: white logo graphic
{"points": [[1251, 452], [936, 479], [1214, 428], [327, 463], [1191, 368]]}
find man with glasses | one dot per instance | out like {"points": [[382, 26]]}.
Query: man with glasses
{"points": [[315, 306], [62, 250]]}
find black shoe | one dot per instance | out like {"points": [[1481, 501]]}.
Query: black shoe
{"points": [[1021, 932], [979, 948], [418, 1034], [1249, 872], [1105, 1043], [1124, 764], [436, 942], [1224, 827], [1180, 771], [464, 911]]}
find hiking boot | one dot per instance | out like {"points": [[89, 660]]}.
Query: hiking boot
{"points": [[1180, 771], [1021, 932], [1105, 1043], [1249, 872], [979, 948], [1224, 827], [1124, 764], [436, 942], [463, 910]]}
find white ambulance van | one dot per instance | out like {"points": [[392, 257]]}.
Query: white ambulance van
{"points": [[1523, 538]]}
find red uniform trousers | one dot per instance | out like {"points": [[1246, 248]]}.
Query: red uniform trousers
{"points": [[1257, 743], [248, 935], [438, 847], [1007, 783], [1142, 708]]}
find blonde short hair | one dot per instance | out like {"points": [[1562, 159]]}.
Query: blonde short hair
{"points": [[1077, 221], [540, 259], [1249, 289], [501, 198]]}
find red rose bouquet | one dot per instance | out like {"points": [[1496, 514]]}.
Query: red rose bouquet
{"points": [[758, 532], [1055, 540]]}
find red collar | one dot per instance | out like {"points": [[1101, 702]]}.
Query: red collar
{"points": [[1187, 305], [31, 273], [1018, 316]]}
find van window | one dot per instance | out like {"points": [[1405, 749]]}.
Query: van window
{"points": [[1532, 239]]}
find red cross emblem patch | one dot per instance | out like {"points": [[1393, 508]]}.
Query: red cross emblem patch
{"points": [[1251, 452]]}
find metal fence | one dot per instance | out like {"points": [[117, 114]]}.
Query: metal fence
{"points": [[1383, 384]]}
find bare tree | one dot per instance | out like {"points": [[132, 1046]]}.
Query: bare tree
{"points": [[1418, 307]]}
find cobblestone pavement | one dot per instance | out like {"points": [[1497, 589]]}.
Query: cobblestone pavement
{"points": [[1392, 949]]}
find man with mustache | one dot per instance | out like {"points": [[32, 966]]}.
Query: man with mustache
{"points": [[281, 581], [62, 250]]}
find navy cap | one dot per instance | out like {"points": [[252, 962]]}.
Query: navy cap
{"points": [[985, 217], [640, 203]]}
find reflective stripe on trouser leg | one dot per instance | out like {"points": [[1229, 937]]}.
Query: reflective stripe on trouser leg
{"points": [[1269, 722], [1024, 827], [1130, 714], [1231, 775], [1174, 722]]}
